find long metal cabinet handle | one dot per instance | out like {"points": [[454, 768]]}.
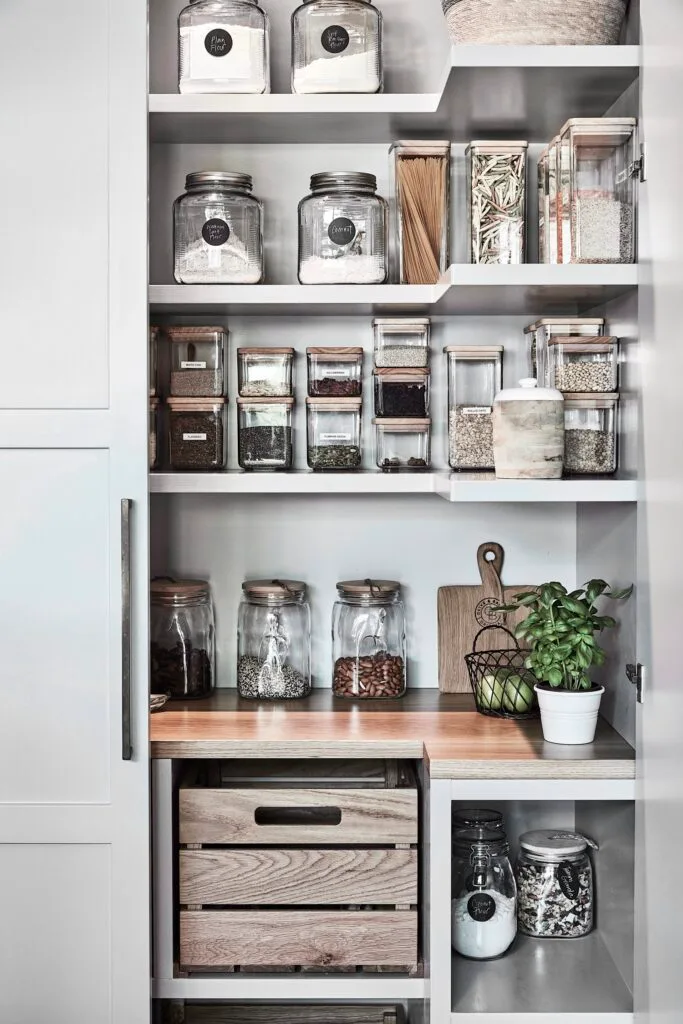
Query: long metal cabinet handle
{"points": [[126, 741]]}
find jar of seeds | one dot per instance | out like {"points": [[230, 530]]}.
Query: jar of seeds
{"points": [[182, 638], [538, 336], [583, 366], [496, 174], [475, 376], [198, 360], [196, 434], [153, 433], [274, 640], [369, 640], [402, 393], [401, 343], [335, 372], [265, 433], [265, 372], [334, 426], [590, 434], [403, 444], [555, 885]]}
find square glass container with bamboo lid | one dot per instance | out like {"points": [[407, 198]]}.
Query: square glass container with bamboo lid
{"points": [[335, 372], [403, 444], [198, 358], [421, 172], [334, 433], [475, 376], [402, 341], [265, 372], [590, 434], [402, 392], [496, 189], [583, 365], [539, 333]]}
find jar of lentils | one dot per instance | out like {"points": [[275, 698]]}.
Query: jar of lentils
{"points": [[223, 47], [182, 638], [369, 640], [555, 884], [336, 47], [274, 640]]}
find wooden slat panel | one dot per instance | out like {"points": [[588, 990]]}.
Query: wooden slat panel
{"points": [[221, 938], [249, 1013], [219, 816], [275, 876]]}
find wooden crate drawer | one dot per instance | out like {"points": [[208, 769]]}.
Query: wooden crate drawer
{"points": [[298, 876], [300, 938], [325, 816]]}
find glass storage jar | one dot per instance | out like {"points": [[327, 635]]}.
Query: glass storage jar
{"points": [[369, 640], [217, 230], [598, 175], [334, 426], [583, 366], [402, 393], [154, 334], [421, 180], [401, 342], [198, 361], [539, 334], [590, 434], [555, 885], [153, 432], [265, 372], [265, 433], [342, 230], [274, 640], [223, 47], [552, 251], [335, 372], [196, 434], [543, 187], [475, 376], [336, 47], [182, 638], [496, 178], [403, 444], [483, 894]]}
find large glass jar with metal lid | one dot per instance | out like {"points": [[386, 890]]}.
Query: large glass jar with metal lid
{"points": [[369, 640], [182, 638], [555, 884], [274, 640], [342, 230], [217, 230], [484, 894], [336, 47], [223, 47]]}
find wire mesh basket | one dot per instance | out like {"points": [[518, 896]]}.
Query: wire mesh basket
{"points": [[503, 687], [535, 22]]}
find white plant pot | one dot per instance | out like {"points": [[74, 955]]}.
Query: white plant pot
{"points": [[569, 716]]}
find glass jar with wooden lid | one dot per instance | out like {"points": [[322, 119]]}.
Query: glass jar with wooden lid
{"points": [[335, 372], [265, 372], [198, 357], [403, 444], [402, 392], [583, 366], [590, 434], [274, 640], [182, 638], [369, 640], [334, 432]]}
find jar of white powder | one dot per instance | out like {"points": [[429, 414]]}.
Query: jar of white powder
{"points": [[484, 894], [217, 230], [342, 230], [336, 47], [223, 47]]}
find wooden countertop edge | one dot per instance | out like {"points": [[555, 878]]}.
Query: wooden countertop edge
{"points": [[540, 769]]}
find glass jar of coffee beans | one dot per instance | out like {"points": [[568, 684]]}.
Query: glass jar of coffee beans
{"points": [[369, 640]]}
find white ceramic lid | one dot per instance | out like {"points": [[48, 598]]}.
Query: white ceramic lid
{"points": [[552, 841], [528, 391]]}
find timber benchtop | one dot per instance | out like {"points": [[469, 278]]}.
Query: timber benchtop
{"points": [[442, 729]]}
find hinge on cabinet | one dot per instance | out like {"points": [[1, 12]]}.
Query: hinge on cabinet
{"points": [[636, 675], [636, 169]]}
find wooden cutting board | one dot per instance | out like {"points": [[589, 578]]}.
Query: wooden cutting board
{"points": [[463, 611]]}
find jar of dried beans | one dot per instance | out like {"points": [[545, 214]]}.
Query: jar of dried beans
{"points": [[334, 430], [223, 47], [475, 376], [583, 366], [336, 47], [496, 174], [335, 372], [274, 640], [369, 640], [196, 434], [555, 885], [182, 638], [590, 434], [198, 360]]}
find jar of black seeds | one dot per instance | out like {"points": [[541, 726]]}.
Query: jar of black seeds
{"points": [[182, 638], [555, 885], [265, 433], [274, 640], [196, 434]]}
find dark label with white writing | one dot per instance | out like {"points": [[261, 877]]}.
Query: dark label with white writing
{"points": [[218, 42], [342, 231], [215, 232], [481, 906], [335, 39], [568, 878]]}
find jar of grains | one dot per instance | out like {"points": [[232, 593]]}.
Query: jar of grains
{"points": [[217, 230], [475, 376], [496, 174], [334, 426], [196, 434], [182, 638], [265, 372], [153, 432], [590, 434], [584, 366], [198, 360], [403, 444], [402, 393], [335, 372], [265, 433], [369, 640], [555, 884], [342, 230], [223, 47], [483, 894], [401, 342], [539, 334], [274, 640], [336, 47]]}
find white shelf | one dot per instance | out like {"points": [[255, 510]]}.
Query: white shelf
{"points": [[273, 987]]}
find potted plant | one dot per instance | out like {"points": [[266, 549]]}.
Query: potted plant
{"points": [[560, 631]]}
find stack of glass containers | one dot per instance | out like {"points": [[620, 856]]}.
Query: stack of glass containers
{"points": [[336, 47], [475, 376], [402, 394], [540, 333], [274, 640]]}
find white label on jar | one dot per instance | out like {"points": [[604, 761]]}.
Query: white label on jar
{"points": [[334, 373], [216, 53], [476, 410], [187, 364], [328, 438], [194, 437]]}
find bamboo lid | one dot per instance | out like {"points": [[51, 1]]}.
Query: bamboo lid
{"points": [[265, 351], [192, 404], [168, 591], [397, 374], [265, 401], [178, 332], [402, 424], [474, 351], [334, 404], [277, 589], [581, 400], [369, 587], [597, 344], [568, 321]]}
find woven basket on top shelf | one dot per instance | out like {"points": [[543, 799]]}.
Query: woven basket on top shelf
{"points": [[536, 22]]}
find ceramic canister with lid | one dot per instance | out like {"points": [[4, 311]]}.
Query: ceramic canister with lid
{"points": [[555, 884], [528, 432]]}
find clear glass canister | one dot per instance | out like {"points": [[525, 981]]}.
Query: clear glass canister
{"points": [[496, 173], [475, 376], [421, 173], [223, 47], [483, 894], [583, 366], [599, 170], [544, 207], [217, 230], [552, 250], [334, 429], [182, 638], [403, 444], [590, 434], [335, 372], [369, 640], [401, 342], [196, 434], [153, 432], [463, 818], [274, 640], [402, 393], [154, 335], [198, 361], [265, 433], [539, 334], [342, 230], [336, 47], [265, 372], [555, 885]]}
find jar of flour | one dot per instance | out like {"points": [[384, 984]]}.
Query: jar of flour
{"points": [[336, 47], [223, 47]]}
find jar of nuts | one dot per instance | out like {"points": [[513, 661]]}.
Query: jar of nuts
{"points": [[369, 640]]}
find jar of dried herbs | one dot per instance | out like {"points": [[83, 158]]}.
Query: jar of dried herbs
{"points": [[496, 174], [334, 426], [196, 434]]}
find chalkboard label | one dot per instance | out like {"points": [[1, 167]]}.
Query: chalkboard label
{"points": [[335, 39], [218, 42], [215, 232], [481, 906], [342, 231], [568, 877]]}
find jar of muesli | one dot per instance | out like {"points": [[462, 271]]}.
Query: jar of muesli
{"points": [[555, 885]]}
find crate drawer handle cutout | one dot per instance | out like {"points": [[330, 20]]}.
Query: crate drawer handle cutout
{"points": [[303, 816]]}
